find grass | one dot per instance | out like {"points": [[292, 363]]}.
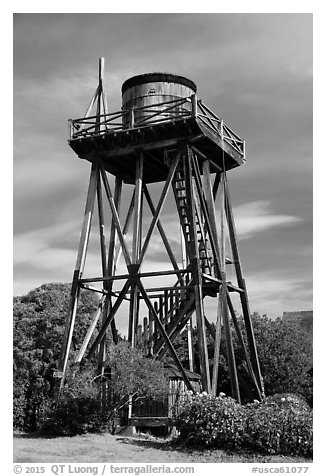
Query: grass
{"points": [[105, 448]]}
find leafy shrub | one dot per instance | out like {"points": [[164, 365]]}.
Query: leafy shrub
{"points": [[38, 321], [131, 372], [210, 421], [78, 409], [281, 424]]}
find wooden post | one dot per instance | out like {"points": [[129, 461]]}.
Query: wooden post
{"points": [[161, 230], [160, 205], [90, 331], [136, 245], [243, 296], [210, 202], [115, 217], [150, 333], [102, 350], [111, 268], [229, 345], [217, 343], [190, 346], [79, 268], [108, 321], [165, 336], [124, 231], [194, 105], [244, 348], [196, 274], [209, 193]]}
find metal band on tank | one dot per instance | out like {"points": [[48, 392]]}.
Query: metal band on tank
{"points": [[158, 77]]}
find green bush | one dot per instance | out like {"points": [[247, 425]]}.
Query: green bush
{"points": [[210, 421], [78, 409], [281, 424]]}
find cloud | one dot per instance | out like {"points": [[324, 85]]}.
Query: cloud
{"points": [[270, 294], [256, 217]]}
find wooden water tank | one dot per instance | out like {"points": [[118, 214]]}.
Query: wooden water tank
{"points": [[152, 89]]}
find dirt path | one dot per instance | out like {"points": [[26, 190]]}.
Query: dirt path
{"points": [[118, 449]]}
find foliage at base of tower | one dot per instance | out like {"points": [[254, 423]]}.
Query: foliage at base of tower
{"points": [[78, 409], [215, 422], [281, 424], [39, 319], [131, 372], [285, 354]]}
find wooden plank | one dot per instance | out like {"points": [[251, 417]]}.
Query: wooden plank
{"points": [[110, 267], [115, 217], [102, 350], [161, 230], [90, 331], [229, 346], [243, 296], [217, 343], [108, 321], [176, 327], [203, 204], [165, 336], [125, 229], [136, 246], [196, 273], [190, 345], [243, 346], [207, 185], [159, 205], [79, 268]]}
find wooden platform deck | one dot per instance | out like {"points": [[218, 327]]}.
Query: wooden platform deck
{"points": [[118, 147]]}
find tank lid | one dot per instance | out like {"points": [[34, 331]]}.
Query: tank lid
{"points": [[157, 77]]}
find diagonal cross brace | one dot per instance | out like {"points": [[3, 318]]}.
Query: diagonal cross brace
{"points": [[159, 206], [165, 336]]}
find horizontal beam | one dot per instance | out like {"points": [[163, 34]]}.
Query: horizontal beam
{"points": [[167, 143], [140, 275]]}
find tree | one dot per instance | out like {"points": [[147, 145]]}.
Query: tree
{"points": [[39, 319], [132, 372], [285, 356]]}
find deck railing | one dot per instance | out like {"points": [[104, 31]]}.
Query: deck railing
{"points": [[167, 111]]}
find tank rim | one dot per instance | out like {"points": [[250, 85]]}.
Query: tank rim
{"points": [[157, 77]]}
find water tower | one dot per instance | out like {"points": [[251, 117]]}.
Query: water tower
{"points": [[165, 139]]}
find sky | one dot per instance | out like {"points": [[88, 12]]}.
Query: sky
{"points": [[253, 70]]}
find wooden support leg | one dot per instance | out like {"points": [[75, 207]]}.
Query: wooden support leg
{"points": [[243, 296], [161, 230], [109, 319], [197, 279], [244, 348], [102, 351], [136, 245], [80, 263], [229, 345], [190, 345], [160, 205], [110, 268], [217, 344]]}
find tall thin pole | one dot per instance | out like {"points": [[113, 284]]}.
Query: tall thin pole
{"points": [[136, 245], [196, 274], [79, 268], [243, 296]]}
